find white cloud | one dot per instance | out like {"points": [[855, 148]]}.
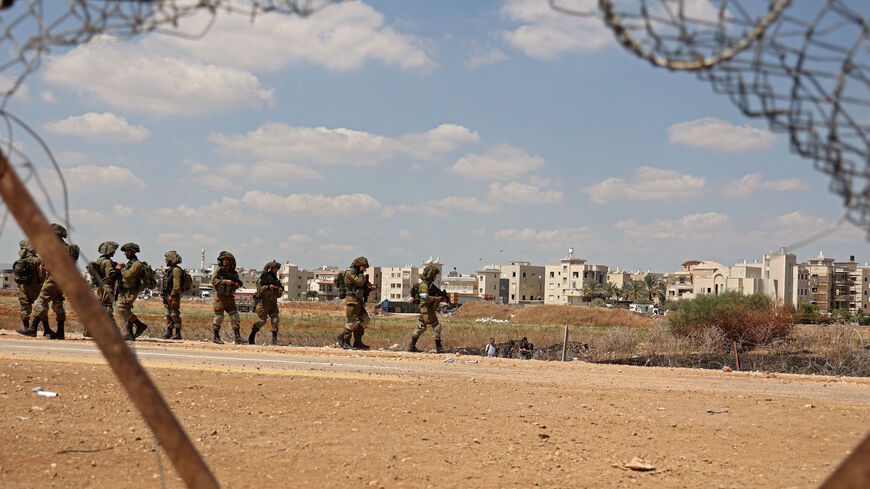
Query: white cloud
{"points": [[754, 183], [129, 76], [230, 176], [47, 96], [691, 227], [295, 241], [99, 126], [342, 37], [444, 207], [308, 204], [713, 133], [501, 163], [649, 185], [86, 217], [521, 193], [122, 211], [547, 34], [102, 177], [179, 240], [226, 211], [405, 234], [801, 219], [548, 238], [480, 57]]}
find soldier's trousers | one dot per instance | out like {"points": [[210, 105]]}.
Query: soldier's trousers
{"points": [[107, 299], [27, 295], [267, 311], [50, 294], [173, 314], [421, 328], [226, 304], [357, 320], [125, 306]]}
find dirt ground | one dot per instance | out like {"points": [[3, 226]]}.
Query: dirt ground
{"points": [[422, 422]]}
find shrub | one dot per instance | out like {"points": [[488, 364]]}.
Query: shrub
{"points": [[841, 316], [747, 319], [808, 313]]}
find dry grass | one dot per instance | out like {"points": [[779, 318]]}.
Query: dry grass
{"points": [[555, 315]]}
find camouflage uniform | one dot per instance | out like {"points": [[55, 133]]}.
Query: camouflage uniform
{"points": [[50, 292], [131, 278], [224, 299], [171, 292], [357, 284], [28, 292], [428, 307], [268, 291], [106, 289]]}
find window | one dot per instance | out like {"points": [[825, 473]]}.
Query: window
{"points": [[524, 296], [513, 274], [524, 274], [575, 274], [553, 274], [513, 296]]}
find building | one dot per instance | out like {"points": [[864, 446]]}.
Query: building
{"points": [[681, 284], [294, 280], [833, 285], [564, 282], [322, 283], [249, 277], [525, 282], [396, 282], [616, 277], [488, 282], [7, 279], [375, 276], [461, 288]]}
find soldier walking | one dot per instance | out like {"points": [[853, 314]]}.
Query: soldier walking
{"points": [[430, 298], [358, 288], [269, 289], [29, 275], [107, 283], [131, 284], [225, 281], [170, 291], [50, 293]]}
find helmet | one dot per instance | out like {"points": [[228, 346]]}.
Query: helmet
{"points": [[58, 230], [25, 249], [430, 272], [172, 257], [269, 266], [130, 246], [108, 248], [229, 256], [360, 262]]}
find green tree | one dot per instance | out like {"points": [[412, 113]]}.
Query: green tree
{"points": [[612, 292], [655, 288], [592, 290], [634, 290]]}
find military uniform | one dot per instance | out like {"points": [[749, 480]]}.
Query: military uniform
{"points": [[28, 291], [106, 289], [224, 299], [50, 292], [171, 292], [268, 290], [357, 285], [428, 307], [131, 285]]}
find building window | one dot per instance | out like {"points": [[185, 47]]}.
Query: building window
{"points": [[513, 274], [524, 296], [575, 274], [552, 274], [513, 296], [524, 274]]}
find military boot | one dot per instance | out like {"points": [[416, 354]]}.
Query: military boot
{"points": [[25, 323], [438, 347], [274, 337], [217, 337], [168, 334], [357, 341], [129, 336], [46, 330], [342, 341], [29, 330], [252, 338], [177, 335], [413, 346], [238, 337], [140, 328], [59, 334]]}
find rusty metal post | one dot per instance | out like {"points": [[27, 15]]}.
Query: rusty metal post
{"points": [[142, 391], [736, 356], [565, 344]]}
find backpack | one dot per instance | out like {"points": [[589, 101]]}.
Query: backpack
{"points": [[25, 272], [186, 281], [340, 285], [96, 272], [415, 295], [148, 280]]}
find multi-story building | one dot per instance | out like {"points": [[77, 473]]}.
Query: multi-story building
{"points": [[7, 279], [681, 284], [374, 274], [323, 282], [833, 285], [487, 283], [564, 282], [525, 282], [294, 280], [617, 277], [396, 282], [249, 277], [461, 287]]}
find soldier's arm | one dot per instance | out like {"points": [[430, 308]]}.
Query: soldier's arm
{"points": [[358, 280], [215, 279], [177, 278], [427, 299], [132, 271]]}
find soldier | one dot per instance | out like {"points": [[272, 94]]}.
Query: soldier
{"points": [[225, 281], [269, 289], [110, 274], [430, 298], [358, 288], [131, 285], [170, 291], [29, 276], [51, 293]]}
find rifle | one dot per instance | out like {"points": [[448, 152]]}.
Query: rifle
{"points": [[434, 290], [367, 289]]}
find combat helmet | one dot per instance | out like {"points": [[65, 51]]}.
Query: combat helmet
{"points": [[229, 256], [108, 248], [130, 246], [430, 272], [25, 249], [360, 262], [269, 266], [58, 230], [172, 258]]}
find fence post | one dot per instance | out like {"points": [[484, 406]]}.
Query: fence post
{"points": [[565, 344]]}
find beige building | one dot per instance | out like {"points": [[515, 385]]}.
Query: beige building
{"points": [[323, 282], [294, 280], [564, 282], [525, 282], [833, 285], [617, 277], [396, 282], [487, 283], [375, 277], [7, 280]]}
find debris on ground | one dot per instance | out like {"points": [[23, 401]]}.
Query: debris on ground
{"points": [[44, 393], [639, 465], [717, 411], [491, 320], [726, 368]]}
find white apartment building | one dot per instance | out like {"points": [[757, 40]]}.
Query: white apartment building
{"points": [[294, 280], [323, 282], [526, 282], [396, 282], [487, 283], [564, 282], [7, 279]]}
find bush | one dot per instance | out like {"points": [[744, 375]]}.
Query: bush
{"points": [[747, 319], [808, 313], [841, 316]]}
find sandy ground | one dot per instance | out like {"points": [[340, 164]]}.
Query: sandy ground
{"points": [[306, 417]]}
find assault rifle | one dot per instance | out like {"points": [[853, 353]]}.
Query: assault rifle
{"points": [[267, 279], [434, 290]]}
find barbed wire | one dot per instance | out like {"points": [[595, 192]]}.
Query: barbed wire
{"points": [[803, 66]]}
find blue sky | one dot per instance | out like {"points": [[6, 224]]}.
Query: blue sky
{"points": [[477, 132]]}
